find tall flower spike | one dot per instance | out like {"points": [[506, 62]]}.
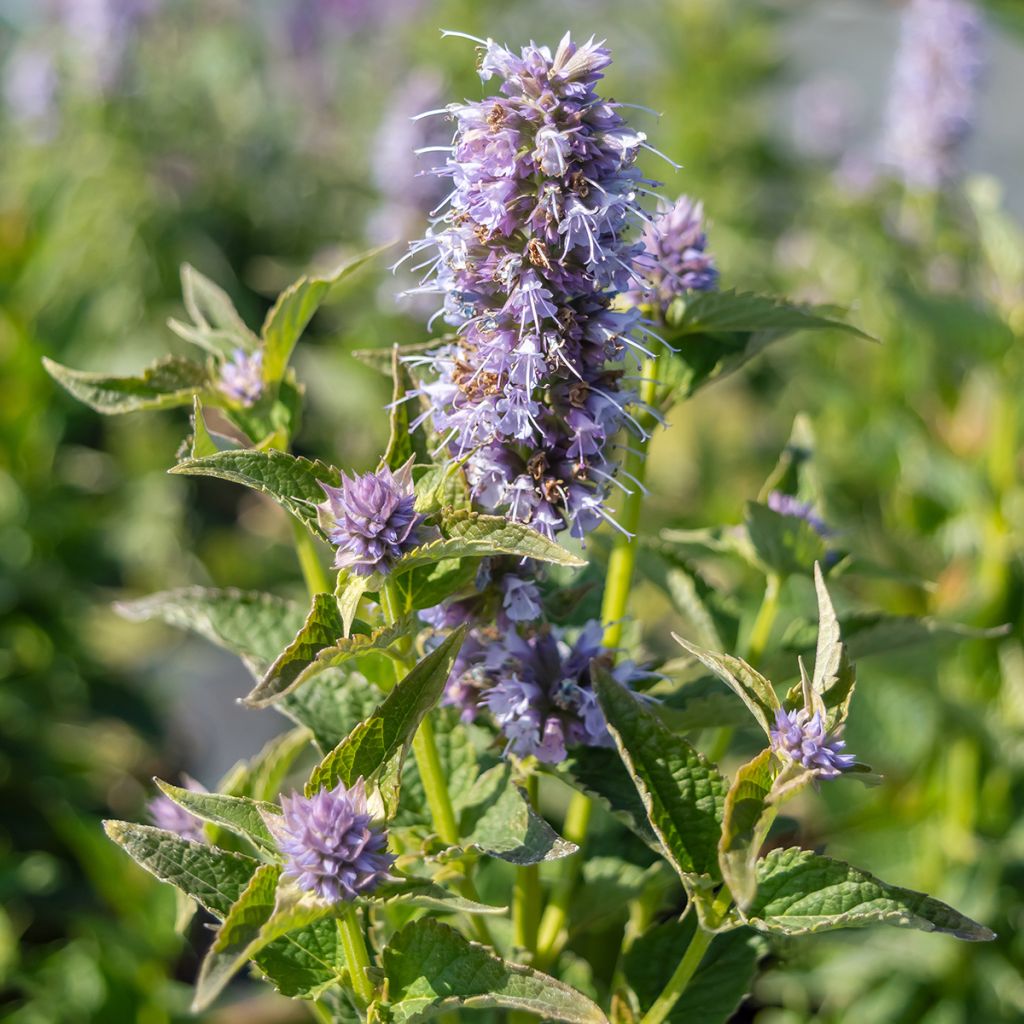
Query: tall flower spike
{"points": [[241, 377], [935, 82], [528, 257], [802, 737], [674, 260], [371, 519], [330, 847]]}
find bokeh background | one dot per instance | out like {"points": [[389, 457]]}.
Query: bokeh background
{"points": [[257, 139]]}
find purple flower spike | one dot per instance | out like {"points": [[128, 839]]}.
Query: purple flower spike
{"points": [[789, 505], [241, 377], [166, 814], [542, 697], [330, 848], [372, 520], [528, 256], [674, 260], [802, 737], [933, 96]]}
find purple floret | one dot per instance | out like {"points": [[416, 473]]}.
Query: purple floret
{"points": [[372, 520], [934, 90], [802, 737], [674, 260], [330, 847], [241, 377], [789, 505]]}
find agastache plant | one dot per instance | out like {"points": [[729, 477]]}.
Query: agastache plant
{"points": [[445, 678]]}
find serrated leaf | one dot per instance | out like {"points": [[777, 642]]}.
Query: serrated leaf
{"points": [[320, 646], [235, 937], [745, 681], [306, 962], [167, 383], [292, 481], [758, 788], [800, 892], [683, 793], [498, 820], [834, 674], [238, 814], [294, 309], [322, 627], [786, 545], [376, 748], [719, 985], [253, 625], [466, 534], [213, 878], [421, 892], [404, 441], [430, 969], [331, 709]]}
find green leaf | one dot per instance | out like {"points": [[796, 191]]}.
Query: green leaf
{"points": [[498, 820], [203, 441], [238, 814], [800, 892], [216, 325], [404, 443], [834, 674], [786, 545], [600, 774], [322, 627], [294, 309], [292, 481], [306, 962], [746, 682], [320, 646], [421, 892], [716, 990], [253, 625], [237, 935], [726, 311], [683, 793], [167, 383], [376, 748], [430, 969], [682, 588], [213, 878], [340, 700], [268, 770], [750, 808]]}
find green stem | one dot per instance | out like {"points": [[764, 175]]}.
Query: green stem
{"points": [[309, 561], [357, 959], [320, 1013], [435, 786], [681, 976], [551, 934], [752, 653], [526, 893]]}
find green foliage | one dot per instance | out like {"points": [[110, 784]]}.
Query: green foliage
{"points": [[431, 969], [241, 815]]}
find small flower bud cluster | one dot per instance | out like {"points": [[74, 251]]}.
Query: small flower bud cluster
{"points": [[330, 847], [674, 260], [789, 505], [934, 88], [529, 257], [801, 736], [241, 377], [372, 520]]}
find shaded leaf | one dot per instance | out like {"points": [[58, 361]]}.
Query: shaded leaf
{"points": [[683, 793], [292, 481], [404, 442], [340, 700], [430, 969], [786, 545], [170, 382]]}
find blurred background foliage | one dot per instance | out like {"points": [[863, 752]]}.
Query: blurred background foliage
{"points": [[257, 139]]}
